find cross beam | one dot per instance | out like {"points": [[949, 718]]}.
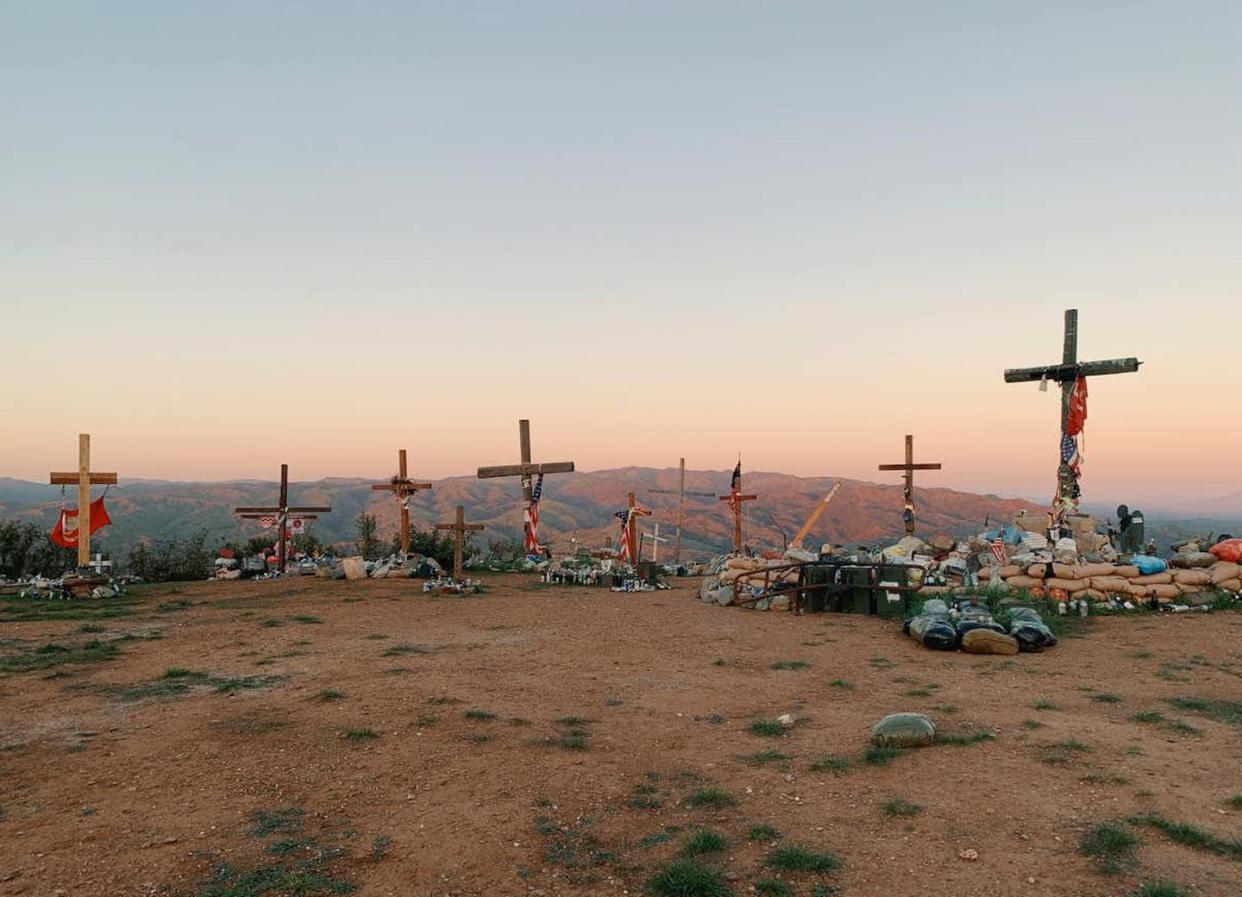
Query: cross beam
{"points": [[908, 489], [282, 512], [681, 494], [403, 487], [84, 478], [526, 469], [459, 528], [1067, 374]]}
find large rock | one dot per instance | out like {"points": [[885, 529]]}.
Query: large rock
{"points": [[355, 568], [987, 641], [904, 730]]}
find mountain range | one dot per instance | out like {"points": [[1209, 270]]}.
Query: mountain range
{"points": [[577, 508]]}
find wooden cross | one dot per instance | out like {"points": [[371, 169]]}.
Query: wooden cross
{"points": [[282, 512], [735, 499], [629, 531], [681, 494], [526, 469], [459, 527], [403, 487], [1067, 373], [655, 538], [84, 478], [908, 490]]}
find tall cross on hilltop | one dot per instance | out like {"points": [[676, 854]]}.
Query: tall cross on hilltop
{"points": [[1072, 374], [403, 487], [907, 490], [681, 494], [735, 499], [527, 470], [83, 478], [282, 512]]}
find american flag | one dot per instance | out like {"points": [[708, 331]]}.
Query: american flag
{"points": [[625, 517], [998, 550], [1069, 453], [531, 544]]}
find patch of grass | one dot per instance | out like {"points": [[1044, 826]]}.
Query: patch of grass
{"points": [[761, 757], [427, 719], [789, 665], [479, 714], [570, 741], [24, 610], [1032, 724], [328, 694], [709, 798], [573, 721], [1062, 752], [363, 734], [720, 662], [1096, 778], [1045, 705], [830, 763], [405, 649], [379, 846], [1105, 697], [703, 841], [177, 681], [900, 807], [55, 654], [1229, 712], [91, 627], [796, 858], [1183, 728], [645, 798], [280, 821], [763, 832], [305, 618], [962, 739], [1148, 716], [841, 684], [687, 878], [1159, 889], [1235, 801], [774, 887], [918, 693], [1191, 836], [442, 701], [766, 728], [1110, 846], [655, 838], [175, 605], [518, 721], [270, 623], [874, 755], [945, 708]]}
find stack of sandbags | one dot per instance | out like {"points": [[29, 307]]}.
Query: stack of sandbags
{"points": [[1144, 579], [749, 571]]}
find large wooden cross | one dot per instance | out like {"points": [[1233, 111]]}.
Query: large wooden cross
{"points": [[403, 487], [526, 469], [1067, 373], [908, 489], [84, 478], [459, 527], [282, 512], [735, 499], [681, 494], [629, 531]]}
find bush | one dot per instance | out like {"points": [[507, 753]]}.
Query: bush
{"points": [[172, 560], [26, 550]]}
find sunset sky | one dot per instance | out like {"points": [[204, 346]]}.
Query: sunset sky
{"points": [[235, 234]]}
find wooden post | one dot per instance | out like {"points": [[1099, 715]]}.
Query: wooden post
{"points": [[681, 504], [459, 528], [629, 527], [403, 487], [282, 512], [909, 467], [735, 499], [83, 478], [526, 469]]}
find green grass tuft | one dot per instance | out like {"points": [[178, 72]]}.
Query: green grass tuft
{"points": [[1159, 889], [687, 878], [1148, 716], [761, 757], [763, 832], [479, 714], [1106, 698], [830, 763], [704, 841], [1045, 705], [796, 858], [789, 665], [1110, 846], [54, 654], [841, 684], [1229, 712], [767, 728], [329, 695], [711, 798], [1192, 836], [363, 734], [774, 887], [964, 739], [405, 649], [874, 755], [899, 807]]}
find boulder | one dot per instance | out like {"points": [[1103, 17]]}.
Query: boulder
{"points": [[987, 641], [903, 730]]}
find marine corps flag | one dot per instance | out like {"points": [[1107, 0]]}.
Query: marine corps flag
{"points": [[65, 532], [1077, 416]]}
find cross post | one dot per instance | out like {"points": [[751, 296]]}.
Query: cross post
{"points": [[1068, 373], [84, 478], [459, 528], [735, 499], [629, 528], [403, 487], [681, 494], [282, 512], [908, 489], [526, 469]]}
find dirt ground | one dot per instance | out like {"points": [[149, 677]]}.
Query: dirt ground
{"points": [[303, 736]]}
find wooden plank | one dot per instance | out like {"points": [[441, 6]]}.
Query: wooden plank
{"points": [[257, 510], [1062, 372], [518, 470], [84, 499], [314, 510], [62, 478]]}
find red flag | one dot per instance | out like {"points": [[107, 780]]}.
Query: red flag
{"points": [[1077, 407], [65, 532]]}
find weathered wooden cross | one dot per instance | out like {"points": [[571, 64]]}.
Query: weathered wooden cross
{"points": [[908, 490], [459, 527], [527, 469], [282, 512], [681, 494], [735, 499], [1067, 373], [403, 487], [629, 528], [84, 478]]}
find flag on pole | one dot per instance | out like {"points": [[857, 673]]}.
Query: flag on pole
{"points": [[735, 484], [998, 550], [1077, 407], [1070, 455], [531, 517], [626, 519]]}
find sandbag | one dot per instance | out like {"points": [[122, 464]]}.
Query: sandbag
{"points": [[1230, 585], [985, 573], [1166, 592], [932, 629], [1068, 585], [903, 730], [1192, 577], [1023, 582], [1148, 565], [1225, 570], [1129, 571], [1061, 571], [1092, 595], [988, 641], [1228, 550], [1155, 579], [1118, 584], [1188, 588], [1008, 570], [1192, 560], [1029, 629], [1088, 571]]}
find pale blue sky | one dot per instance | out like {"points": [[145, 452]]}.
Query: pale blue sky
{"points": [[614, 190]]}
